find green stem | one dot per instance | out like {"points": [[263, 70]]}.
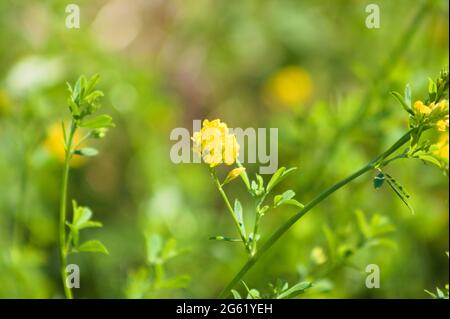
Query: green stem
{"points": [[62, 212], [230, 209], [382, 73], [256, 226], [318, 199]]}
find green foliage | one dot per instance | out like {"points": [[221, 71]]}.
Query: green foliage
{"points": [[440, 293], [81, 219], [84, 101], [279, 290], [259, 192], [150, 280]]}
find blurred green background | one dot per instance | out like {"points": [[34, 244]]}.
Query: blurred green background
{"points": [[310, 68]]}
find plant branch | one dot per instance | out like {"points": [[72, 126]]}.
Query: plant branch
{"points": [[230, 208], [62, 211], [314, 202]]}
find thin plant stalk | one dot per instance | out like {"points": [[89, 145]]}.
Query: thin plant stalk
{"points": [[317, 200], [230, 209], [62, 211]]}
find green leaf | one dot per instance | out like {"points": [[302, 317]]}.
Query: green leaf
{"points": [[362, 223], [283, 198], [73, 107], [402, 102], [176, 282], [386, 242], [292, 202], [431, 294], [69, 87], [154, 246], [92, 83], [169, 250], [235, 294], [429, 158], [295, 290], [80, 214], [279, 175], [253, 294], [432, 88], [399, 191], [77, 90], [275, 177], [331, 242], [440, 294], [260, 182], [101, 121], [408, 98], [239, 216], [244, 176], [223, 238], [94, 96], [93, 246], [90, 224], [64, 134], [86, 151]]}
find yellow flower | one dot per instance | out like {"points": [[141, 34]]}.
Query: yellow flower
{"points": [[54, 144], [442, 146], [290, 86], [442, 125], [214, 144], [422, 108]]}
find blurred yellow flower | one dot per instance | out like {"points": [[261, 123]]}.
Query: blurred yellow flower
{"points": [[442, 125], [443, 104], [442, 146], [290, 86], [214, 144], [422, 108], [54, 144], [318, 255]]}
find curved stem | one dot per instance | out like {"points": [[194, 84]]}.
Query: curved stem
{"points": [[391, 59], [318, 199], [62, 212], [230, 209]]}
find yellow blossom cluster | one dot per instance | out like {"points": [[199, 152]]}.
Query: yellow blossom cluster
{"points": [[214, 144], [427, 110]]}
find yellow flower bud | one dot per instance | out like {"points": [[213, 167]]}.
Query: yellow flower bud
{"points": [[233, 174]]}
